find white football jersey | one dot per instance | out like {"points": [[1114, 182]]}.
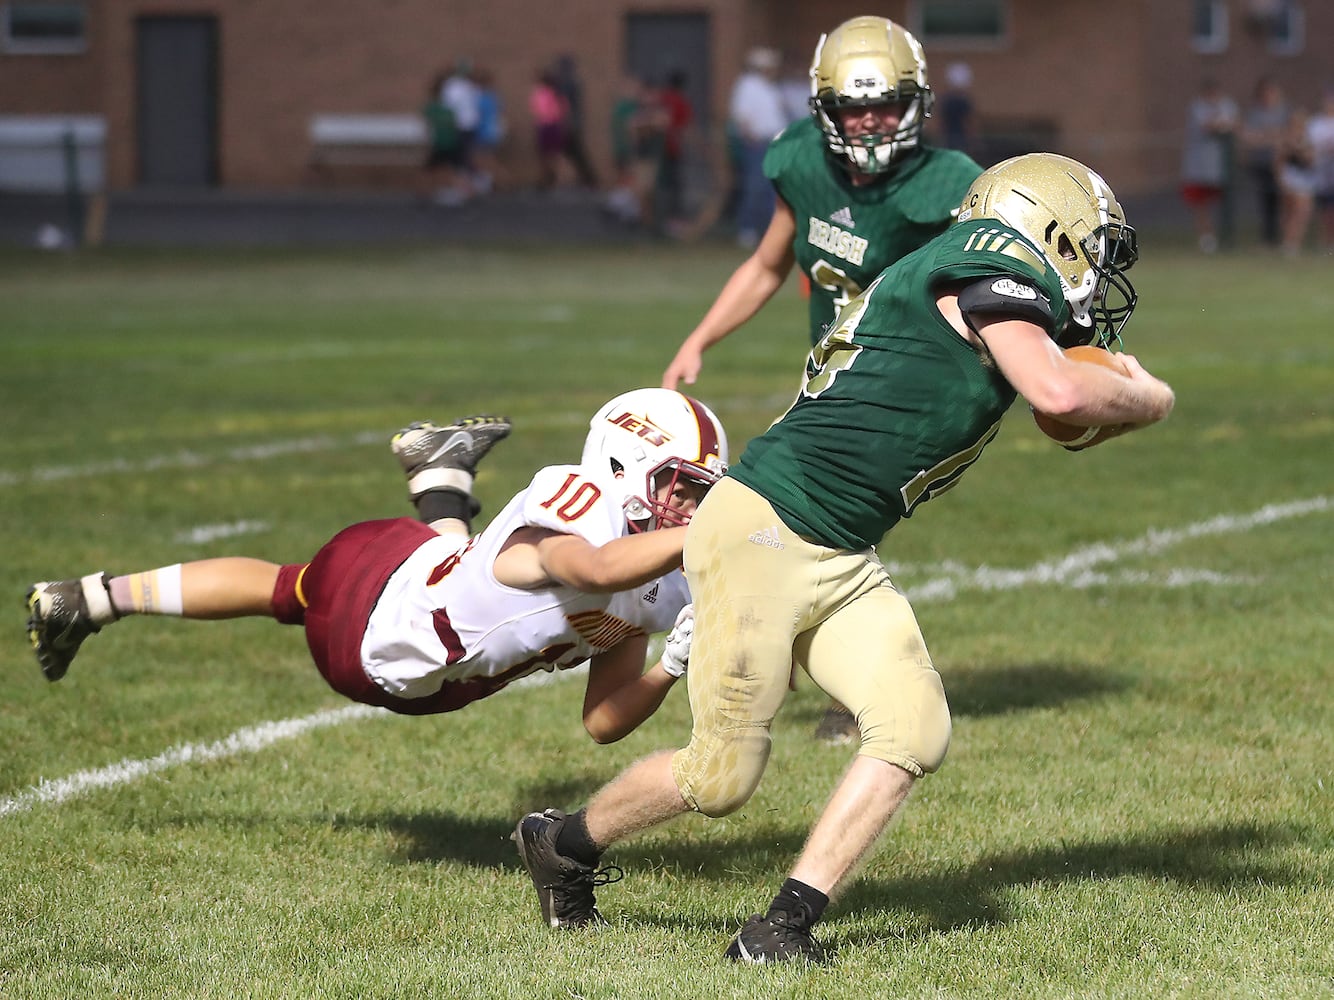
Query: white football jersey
{"points": [[443, 616]]}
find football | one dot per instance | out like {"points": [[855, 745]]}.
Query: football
{"points": [[1071, 436]]}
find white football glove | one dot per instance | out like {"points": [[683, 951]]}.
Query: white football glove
{"points": [[676, 654]]}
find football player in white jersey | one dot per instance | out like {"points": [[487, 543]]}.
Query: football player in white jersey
{"points": [[420, 617]]}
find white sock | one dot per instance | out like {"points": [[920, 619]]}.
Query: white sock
{"points": [[155, 592], [440, 479], [98, 599]]}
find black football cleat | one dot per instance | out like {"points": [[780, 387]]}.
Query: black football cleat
{"points": [[433, 457], [61, 615], [763, 940], [564, 886]]}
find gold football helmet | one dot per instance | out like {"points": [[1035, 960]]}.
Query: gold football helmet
{"points": [[869, 60], [1070, 214]]}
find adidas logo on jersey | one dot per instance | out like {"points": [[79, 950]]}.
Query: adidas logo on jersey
{"points": [[768, 537], [843, 217], [651, 595]]}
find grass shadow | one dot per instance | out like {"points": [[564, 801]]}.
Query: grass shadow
{"points": [[979, 691], [435, 837], [997, 690], [1211, 857]]}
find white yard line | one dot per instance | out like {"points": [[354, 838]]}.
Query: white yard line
{"points": [[1077, 565], [248, 740], [1077, 569], [204, 533], [188, 459]]}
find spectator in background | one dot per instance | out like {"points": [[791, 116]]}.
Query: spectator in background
{"points": [[639, 130], [1206, 158], [1262, 128], [677, 114], [461, 95], [1321, 131], [795, 86], [548, 111], [955, 108], [444, 182], [1294, 163], [490, 131], [757, 114], [623, 200], [565, 78]]}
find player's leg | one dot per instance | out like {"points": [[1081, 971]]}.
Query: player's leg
{"points": [[871, 656], [63, 613], [440, 463], [866, 653], [732, 709]]}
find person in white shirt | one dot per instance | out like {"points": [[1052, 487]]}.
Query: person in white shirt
{"points": [[420, 617], [756, 114], [1206, 165], [461, 95], [1320, 130]]}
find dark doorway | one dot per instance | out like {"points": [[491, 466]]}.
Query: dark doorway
{"points": [[657, 47], [177, 76], [658, 44]]}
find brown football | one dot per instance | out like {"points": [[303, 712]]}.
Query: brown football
{"points": [[1071, 436]]}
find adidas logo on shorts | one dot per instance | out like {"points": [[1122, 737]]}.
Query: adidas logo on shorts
{"points": [[767, 537]]}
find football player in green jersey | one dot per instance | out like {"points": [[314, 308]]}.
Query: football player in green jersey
{"points": [[856, 190], [900, 397], [856, 187]]}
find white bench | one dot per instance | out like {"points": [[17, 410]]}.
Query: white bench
{"points": [[34, 150], [367, 140]]}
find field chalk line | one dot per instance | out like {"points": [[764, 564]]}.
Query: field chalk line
{"points": [[1077, 568]]}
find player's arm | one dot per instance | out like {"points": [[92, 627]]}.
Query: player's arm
{"points": [[1081, 394], [621, 693], [751, 285], [619, 696], [539, 557]]}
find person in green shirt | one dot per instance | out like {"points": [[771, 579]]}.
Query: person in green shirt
{"points": [[900, 397], [856, 187], [856, 190]]}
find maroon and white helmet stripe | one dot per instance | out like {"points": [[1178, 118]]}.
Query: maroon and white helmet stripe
{"points": [[708, 433]]}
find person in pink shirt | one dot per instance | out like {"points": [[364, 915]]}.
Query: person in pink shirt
{"points": [[548, 112]]}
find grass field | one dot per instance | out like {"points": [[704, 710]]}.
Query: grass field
{"points": [[1136, 642]]}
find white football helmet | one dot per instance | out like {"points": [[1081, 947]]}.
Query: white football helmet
{"points": [[649, 438], [1070, 214], [864, 61]]}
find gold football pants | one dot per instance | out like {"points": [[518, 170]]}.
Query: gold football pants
{"points": [[766, 598]]}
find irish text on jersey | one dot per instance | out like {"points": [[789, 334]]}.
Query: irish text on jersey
{"points": [[831, 239]]}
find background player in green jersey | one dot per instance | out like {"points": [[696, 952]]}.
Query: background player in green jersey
{"points": [[856, 187], [900, 397], [856, 190]]}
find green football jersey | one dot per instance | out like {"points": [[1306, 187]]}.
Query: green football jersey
{"points": [[847, 235], [895, 405]]}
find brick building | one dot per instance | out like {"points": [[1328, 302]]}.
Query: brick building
{"points": [[227, 92]]}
